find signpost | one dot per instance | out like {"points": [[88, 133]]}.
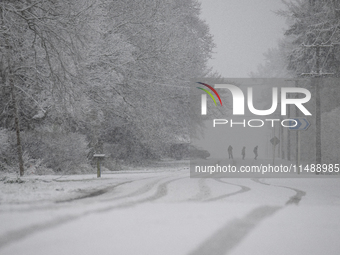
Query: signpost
{"points": [[98, 157], [275, 141], [301, 124]]}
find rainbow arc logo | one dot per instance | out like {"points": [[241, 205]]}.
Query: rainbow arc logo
{"points": [[209, 93]]}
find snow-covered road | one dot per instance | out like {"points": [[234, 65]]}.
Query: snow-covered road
{"points": [[164, 211]]}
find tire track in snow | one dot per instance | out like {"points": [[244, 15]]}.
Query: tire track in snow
{"points": [[162, 191], [203, 193], [16, 235], [36, 207], [63, 202], [144, 189], [231, 234], [293, 199], [147, 187], [242, 190], [95, 193], [139, 191]]}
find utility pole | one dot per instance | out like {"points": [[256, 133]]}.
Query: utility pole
{"points": [[289, 115], [297, 138], [280, 149], [280, 134], [288, 135], [316, 83]]}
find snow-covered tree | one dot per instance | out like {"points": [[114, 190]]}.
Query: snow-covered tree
{"points": [[313, 23], [38, 53], [113, 71]]}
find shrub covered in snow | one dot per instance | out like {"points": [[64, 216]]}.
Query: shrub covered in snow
{"points": [[4, 142], [59, 150]]}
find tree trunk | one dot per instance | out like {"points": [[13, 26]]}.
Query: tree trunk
{"points": [[17, 126]]}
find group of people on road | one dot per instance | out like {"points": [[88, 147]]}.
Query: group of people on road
{"points": [[243, 152]]}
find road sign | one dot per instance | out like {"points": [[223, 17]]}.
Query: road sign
{"points": [[301, 124], [275, 141]]}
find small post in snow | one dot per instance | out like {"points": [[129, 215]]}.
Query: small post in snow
{"points": [[98, 157]]}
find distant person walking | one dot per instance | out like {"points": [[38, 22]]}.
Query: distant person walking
{"points": [[255, 151], [230, 152], [243, 153]]}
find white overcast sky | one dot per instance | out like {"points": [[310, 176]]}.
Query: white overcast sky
{"points": [[243, 30]]}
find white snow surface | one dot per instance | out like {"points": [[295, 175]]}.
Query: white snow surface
{"points": [[164, 211]]}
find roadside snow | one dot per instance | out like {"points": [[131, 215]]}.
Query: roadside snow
{"points": [[164, 211]]}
